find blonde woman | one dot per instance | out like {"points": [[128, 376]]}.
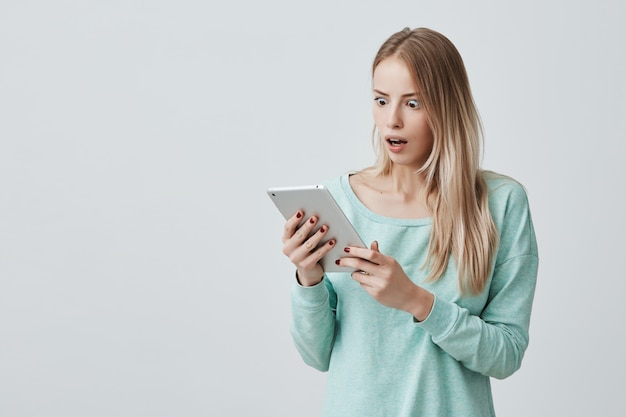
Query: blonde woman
{"points": [[444, 298]]}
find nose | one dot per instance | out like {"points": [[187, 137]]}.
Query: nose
{"points": [[394, 118]]}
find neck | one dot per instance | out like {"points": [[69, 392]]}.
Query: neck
{"points": [[400, 194], [404, 181]]}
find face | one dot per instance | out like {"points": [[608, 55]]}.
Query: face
{"points": [[399, 117]]}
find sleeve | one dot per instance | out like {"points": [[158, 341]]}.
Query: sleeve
{"points": [[494, 343], [313, 322]]}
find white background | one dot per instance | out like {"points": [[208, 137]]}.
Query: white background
{"points": [[140, 264]]}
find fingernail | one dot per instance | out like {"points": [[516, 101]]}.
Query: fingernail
{"points": [[311, 220], [331, 243], [337, 262], [323, 229], [298, 214], [347, 250]]}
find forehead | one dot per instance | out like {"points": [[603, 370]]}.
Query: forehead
{"points": [[392, 74]]}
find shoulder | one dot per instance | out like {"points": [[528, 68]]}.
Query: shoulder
{"points": [[365, 185], [510, 211], [504, 191], [348, 178], [339, 187], [336, 184]]}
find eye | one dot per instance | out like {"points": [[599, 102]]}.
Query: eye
{"points": [[380, 101], [414, 104]]}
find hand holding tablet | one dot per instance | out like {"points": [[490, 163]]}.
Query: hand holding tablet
{"points": [[316, 200]]}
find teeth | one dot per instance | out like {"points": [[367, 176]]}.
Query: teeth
{"points": [[396, 141]]}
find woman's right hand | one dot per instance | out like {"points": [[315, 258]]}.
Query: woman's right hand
{"points": [[302, 249]]}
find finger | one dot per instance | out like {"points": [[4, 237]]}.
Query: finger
{"points": [[358, 264], [305, 229], [314, 240], [364, 278], [291, 224], [364, 253], [298, 250], [300, 234], [374, 246], [308, 260]]}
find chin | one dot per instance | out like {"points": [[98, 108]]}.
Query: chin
{"points": [[401, 162]]}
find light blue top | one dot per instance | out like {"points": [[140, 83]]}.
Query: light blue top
{"points": [[382, 363]]}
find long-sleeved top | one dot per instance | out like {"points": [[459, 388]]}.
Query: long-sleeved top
{"points": [[380, 361]]}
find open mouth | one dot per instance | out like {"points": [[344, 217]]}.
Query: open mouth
{"points": [[396, 142]]}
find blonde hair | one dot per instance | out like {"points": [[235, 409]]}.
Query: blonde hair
{"points": [[458, 200]]}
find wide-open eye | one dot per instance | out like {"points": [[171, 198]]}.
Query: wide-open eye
{"points": [[380, 101], [414, 104]]}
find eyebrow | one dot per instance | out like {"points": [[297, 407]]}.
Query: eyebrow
{"points": [[413, 94]]}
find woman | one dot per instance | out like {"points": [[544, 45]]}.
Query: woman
{"points": [[444, 298]]}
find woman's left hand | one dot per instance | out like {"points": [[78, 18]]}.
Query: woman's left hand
{"points": [[385, 280]]}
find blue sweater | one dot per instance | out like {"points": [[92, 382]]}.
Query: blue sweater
{"points": [[381, 362]]}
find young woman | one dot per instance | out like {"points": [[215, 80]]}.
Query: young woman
{"points": [[444, 296]]}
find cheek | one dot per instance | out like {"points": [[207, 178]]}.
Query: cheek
{"points": [[427, 131], [421, 128], [425, 127]]}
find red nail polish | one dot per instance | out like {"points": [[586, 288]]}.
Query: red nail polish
{"points": [[347, 250], [337, 262], [323, 229], [298, 214], [312, 220], [331, 243]]}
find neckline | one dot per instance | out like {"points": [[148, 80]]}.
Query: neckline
{"points": [[363, 210]]}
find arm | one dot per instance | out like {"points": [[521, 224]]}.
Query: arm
{"points": [[313, 300], [313, 322], [493, 343]]}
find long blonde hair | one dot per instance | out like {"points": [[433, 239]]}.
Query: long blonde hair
{"points": [[458, 200]]}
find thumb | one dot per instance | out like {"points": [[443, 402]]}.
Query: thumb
{"points": [[374, 246]]}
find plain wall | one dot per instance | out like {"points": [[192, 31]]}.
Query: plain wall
{"points": [[140, 263]]}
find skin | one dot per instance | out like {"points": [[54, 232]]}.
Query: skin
{"points": [[398, 116]]}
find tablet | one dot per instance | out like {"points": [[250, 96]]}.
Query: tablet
{"points": [[317, 200]]}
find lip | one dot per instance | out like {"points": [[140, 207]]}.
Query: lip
{"points": [[395, 143]]}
